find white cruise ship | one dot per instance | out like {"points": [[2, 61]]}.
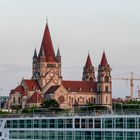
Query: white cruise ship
{"points": [[71, 127]]}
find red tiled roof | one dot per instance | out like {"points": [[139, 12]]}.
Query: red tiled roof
{"points": [[80, 86], [88, 62], [48, 46], [52, 89], [32, 84], [36, 98], [19, 89], [104, 60]]}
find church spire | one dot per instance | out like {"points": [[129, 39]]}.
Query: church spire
{"points": [[35, 53], [47, 46], [103, 60], [58, 56], [58, 53], [88, 62], [88, 70]]}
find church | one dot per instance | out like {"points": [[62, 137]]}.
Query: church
{"points": [[47, 81]]}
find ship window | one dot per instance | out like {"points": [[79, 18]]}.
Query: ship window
{"points": [[68, 123], [83, 123], [77, 123], [52, 123], [97, 123], [68, 135], [88, 135], [130, 123], [119, 136], [98, 135], [29, 123], [119, 122], [108, 135], [90, 123], [7, 125], [15, 124], [21, 124], [107, 123], [130, 135], [61, 135], [36, 123], [44, 123], [60, 123], [0, 134], [78, 135]]}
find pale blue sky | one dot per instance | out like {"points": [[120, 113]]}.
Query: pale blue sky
{"points": [[77, 26]]}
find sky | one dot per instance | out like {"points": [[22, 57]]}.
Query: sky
{"points": [[77, 27]]}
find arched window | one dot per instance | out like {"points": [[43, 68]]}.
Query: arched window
{"points": [[19, 100], [106, 79], [106, 89], [106, 99], [14, 100]]}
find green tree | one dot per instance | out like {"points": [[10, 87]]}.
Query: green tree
{"points": [[50, 104]]}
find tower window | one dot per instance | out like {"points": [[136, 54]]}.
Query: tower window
{"points": [[106, 99], [106, 79], [106, 89], [14, 100], [18, 99]]}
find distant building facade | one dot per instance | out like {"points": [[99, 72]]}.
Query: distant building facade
{"points": [[47, 81]]}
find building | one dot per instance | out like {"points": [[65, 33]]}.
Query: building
{"points": [[47, 81]]}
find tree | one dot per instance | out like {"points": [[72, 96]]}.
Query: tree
{"points": [[52, 103]]}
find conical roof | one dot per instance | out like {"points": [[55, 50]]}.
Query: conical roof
{"points": [[103, 60], [35, 54], [47, 46], [88, 62], [58, 53]]}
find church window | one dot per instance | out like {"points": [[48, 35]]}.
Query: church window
{"points": [[106, 99], [14, 100], [94, 101], [106, 79], [18, 99], [99, 88], [51, 65], [91, 100], [106, 89]]}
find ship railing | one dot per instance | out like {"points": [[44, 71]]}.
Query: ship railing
{"points": [[70, 114]]}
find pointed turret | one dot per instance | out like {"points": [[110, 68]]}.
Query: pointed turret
{"points": [[58, 56], [58, 53], [48, 46], [88, 71], [35, 58], [35, 53], [104, 60], [88, 62]]}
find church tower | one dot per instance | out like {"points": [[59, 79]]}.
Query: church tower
{"points": [[104, 83], [88, 71], [47, 66]]}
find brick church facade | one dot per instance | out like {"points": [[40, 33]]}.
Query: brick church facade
{"points": [[47, 81]]}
